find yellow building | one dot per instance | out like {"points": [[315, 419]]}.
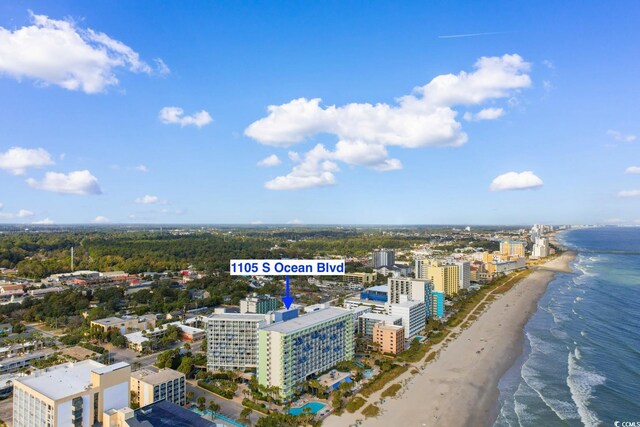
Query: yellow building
{"points": [[445, 277], [361, 278], [390, 338], [150, 386], [71, 394], [510, 248]]}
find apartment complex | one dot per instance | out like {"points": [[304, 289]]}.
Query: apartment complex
{"points": [[445, 277], [512, 248], [413, 314], [390, 338], [367, 321], [125, 324], [360, 278], [295, 349], [232, 340], [150, 386], [258, 304], [414, 289], [71, 394], [383, 258]]}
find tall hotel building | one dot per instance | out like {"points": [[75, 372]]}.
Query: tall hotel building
{"points": [[512, 248], [292, 350], [232, 340], [383, 258], [445, 277], [71, 394]]}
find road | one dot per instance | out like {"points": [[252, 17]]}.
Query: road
{"points": [[117, 354]]}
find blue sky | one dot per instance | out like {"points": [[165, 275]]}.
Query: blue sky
{"points": [[90, 131]]}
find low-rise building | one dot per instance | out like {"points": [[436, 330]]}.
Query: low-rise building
{"points": [[159, 414], [149, 386], [360, 278], [390, 338], [125, 324], [367, 321]]}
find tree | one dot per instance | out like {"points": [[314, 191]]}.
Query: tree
{"points": [[187, 346], [190, 395], [186, 366], [201, 401], [135, 403], [214, 406], [244, 415]]}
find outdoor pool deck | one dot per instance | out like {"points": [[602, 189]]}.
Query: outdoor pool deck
{"points": [[314, 407]]}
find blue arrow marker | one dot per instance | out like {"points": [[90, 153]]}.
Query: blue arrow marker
{"points": [[287, 299]]}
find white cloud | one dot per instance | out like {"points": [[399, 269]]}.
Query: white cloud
{"points": [[484, 114], [633, 170], [619, 136], [58, 52], [147, 200], [516, 181], [45, 221], [270, 161], [175, 115], [17, 160], [548, 64], [629, 193], [141, 168], [23, 213], [295, 222], [79, 182], [101, 220], [312, 171], [422, 119]]}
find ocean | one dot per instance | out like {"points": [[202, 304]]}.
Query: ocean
{"points": [[581, 358]]}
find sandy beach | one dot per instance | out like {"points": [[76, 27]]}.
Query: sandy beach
{"points": [[460, 387]]}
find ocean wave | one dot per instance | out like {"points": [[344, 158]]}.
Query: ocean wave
{"points": [[581, 383], [578, 299], [563, 410]]}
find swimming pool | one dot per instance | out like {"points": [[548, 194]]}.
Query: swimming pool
{"points": [[368, 373], [315, 407]]}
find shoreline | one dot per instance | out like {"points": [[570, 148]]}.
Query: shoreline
{"points": [[460, 387]]}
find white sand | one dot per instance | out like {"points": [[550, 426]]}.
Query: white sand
{"points": [[460, 388]]}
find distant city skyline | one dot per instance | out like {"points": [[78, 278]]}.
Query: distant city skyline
{"points": [[283, 114]]}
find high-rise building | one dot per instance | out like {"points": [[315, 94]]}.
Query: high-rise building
{"points": [[512, 248], [390, 338], [151, 386], [415, 289], [540, 248], [71, 394], [445, 277], [258, 304], [292, 350], [232, 340], [413, 314], [464, 274], [437, 304], [383, 258]]}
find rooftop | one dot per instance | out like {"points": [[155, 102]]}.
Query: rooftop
{"points": [[379, 288], [308, 320], [409, 303], [153, 377], [237, 316], [108, 321], [166, 414], [381, 317], [62, 380]]}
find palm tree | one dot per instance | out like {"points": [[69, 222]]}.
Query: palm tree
{"points": [[214, 406], [244, 416], [190, 395]]}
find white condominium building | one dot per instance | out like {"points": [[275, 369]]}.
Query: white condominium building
{"points": [[232, 340], [150, 386]]}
